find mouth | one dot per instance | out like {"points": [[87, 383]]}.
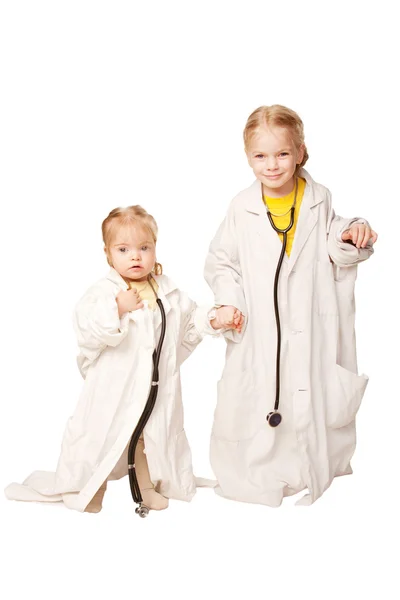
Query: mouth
{"points": [[135, 268], [273, 176]]}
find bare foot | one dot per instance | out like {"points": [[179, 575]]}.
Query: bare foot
{"points": [[96, 503], [154, 500]]}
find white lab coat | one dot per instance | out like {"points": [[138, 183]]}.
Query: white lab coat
{"points": [[116, 361], [320, 388]]}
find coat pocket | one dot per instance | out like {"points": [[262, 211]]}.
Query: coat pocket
{"points": [[346, 275], [240, 400], [324, 297], [346, 391]]}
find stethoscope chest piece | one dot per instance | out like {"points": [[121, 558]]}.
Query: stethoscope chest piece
{"points": [[142, 511], [274, 418]]}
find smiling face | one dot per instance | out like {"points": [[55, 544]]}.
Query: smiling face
{"points": [[273, 157], [132, 252]]}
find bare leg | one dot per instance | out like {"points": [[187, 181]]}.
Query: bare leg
{"points": [[151, 498], [96, 503]]}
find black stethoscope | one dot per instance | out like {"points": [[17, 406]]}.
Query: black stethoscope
{"points": [[274, 418], [141, 509]]}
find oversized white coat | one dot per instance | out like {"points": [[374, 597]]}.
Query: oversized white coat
{"points": [[320, 388], [116, 362]]}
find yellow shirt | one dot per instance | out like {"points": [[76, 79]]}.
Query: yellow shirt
{"points": [[280, 206], [145, 291]]}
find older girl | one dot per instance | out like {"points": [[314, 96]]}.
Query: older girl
{"points": [[289, 393]]}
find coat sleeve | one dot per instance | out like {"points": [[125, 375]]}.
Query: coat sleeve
{"points": [[223, 272], [194, 326], [97, 323], [344, 254]]}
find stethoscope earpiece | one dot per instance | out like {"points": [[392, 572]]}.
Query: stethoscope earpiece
{"points": [[274, 418]]}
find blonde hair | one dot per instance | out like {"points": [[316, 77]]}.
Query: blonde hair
{"points": [[129, 216], [276, 116]]}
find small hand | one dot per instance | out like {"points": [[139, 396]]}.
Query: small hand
{"points": [[238, 320], [228, 317], [128, 301], [359, 235]]}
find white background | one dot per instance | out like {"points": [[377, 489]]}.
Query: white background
{"points": [[106, 104]]}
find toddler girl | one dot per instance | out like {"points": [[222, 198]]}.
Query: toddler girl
{"points": [[118, 325]]}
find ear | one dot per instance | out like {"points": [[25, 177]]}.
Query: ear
{"points": [[300, 154]]}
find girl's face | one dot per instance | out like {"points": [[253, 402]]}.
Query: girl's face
{"points": [[274, 158], [132, 252]]}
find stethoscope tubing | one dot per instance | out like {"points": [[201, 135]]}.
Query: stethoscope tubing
{"points": [[276, 305], [150, 403], [274, 418]]}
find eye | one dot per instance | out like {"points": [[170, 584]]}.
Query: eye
{"points": [[122, 250], [284, 154], [144, 248], [259, 156]]}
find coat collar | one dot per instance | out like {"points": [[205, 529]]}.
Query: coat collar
{"points": [[165, 286], [255, 204], [307, 218]]}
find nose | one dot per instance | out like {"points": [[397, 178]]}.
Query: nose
{"points": [[272, 163]]}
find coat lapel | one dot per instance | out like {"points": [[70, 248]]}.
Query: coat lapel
{"points": [[307, 220], [271, 243], [165, 287]]}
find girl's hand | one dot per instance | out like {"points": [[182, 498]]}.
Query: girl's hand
{"points": [[228, 317], [359, 234], [238, 319], [128, 301]]}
